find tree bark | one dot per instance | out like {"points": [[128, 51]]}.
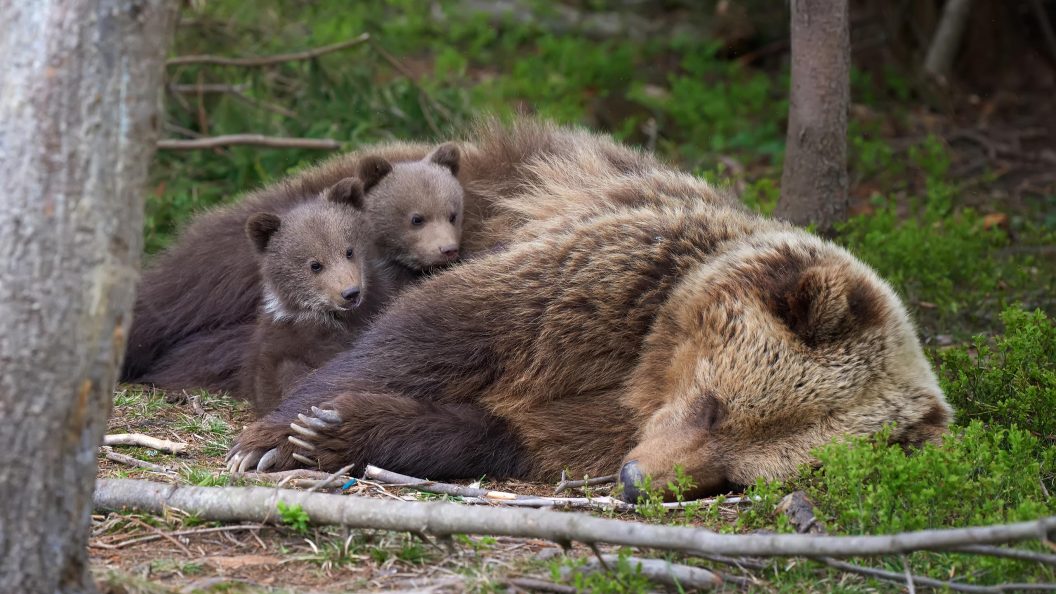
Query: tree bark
{"points": [[814, 182], [80, 82]]}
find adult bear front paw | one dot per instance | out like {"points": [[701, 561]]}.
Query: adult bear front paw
{"points": [[267, 446]]}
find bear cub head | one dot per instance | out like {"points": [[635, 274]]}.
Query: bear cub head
{"points": [[314, 258], [415, 207]]}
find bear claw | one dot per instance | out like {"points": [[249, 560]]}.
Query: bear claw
{"points": [[304, 459], [330, 416], [301, 443], [248, 461], [305, 431], [268, 460], [313, 422]]}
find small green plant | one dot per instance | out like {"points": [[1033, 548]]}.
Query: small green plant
{"points": [[623, 577], [650, 504], [1009, 381], [294, 517]]}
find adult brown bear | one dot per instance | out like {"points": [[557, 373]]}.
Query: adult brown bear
{"points": [[198, 301], [635, 320]]}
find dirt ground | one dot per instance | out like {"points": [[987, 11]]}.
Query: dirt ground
{"points": [[134, 552]]}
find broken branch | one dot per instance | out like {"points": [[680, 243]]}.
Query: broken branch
{"points": [[658, 571], [113, 456], [600, 480], [247, 139], [441, 518], [146, 441], [268, 60]]}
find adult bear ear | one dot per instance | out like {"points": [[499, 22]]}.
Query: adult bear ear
{"points": [[446, 155], [822, 304], [372, 170], [260, 227], [347, 192]]}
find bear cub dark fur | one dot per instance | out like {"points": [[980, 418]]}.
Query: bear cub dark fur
{"points": [[329, 266]]}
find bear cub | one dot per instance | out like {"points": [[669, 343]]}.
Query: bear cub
{"points": [[415, 208], [326, 268], [323, 281]]}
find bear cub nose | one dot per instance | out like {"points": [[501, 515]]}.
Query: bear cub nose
{"points": [[350, 294], [631, 477], [449, 251]]}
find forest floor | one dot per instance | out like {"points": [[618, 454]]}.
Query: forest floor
{"points": [[133, 552], [953, 202]]}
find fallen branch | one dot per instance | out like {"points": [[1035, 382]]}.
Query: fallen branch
{"points": [[373, 473], [146, 441], [601, 480], [179, 144], [539, 585], [113, 456], [152, 537], [1019, 554], [475, 495], [658, 571], [440, 518], [894, 576], [268, 60]]}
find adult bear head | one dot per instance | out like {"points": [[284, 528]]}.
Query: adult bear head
{"points": [[767, 352]]}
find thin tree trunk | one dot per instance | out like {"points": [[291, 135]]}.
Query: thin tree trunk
{"points": [[79, 85], [814, 182], [947, 40]]}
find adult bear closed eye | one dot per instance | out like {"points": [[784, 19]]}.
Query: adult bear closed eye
{"points": [[649, 326]]}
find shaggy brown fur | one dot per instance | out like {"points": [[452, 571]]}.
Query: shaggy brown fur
{"points": [[195, 295], [416, 208], [323, 282], [198, 301], [636, 321]]}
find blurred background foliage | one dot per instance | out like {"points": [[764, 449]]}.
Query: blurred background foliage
{"points": [[953, 185]]}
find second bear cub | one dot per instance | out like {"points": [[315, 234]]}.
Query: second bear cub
{"points": [[323, 281]]}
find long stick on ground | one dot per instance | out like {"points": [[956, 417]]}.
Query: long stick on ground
{"points": [[146, 441], [268, 60], [260, 503], [894, 576], [208, 142]]}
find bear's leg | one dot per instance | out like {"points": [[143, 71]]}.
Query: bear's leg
{"points": [[407, 435]]}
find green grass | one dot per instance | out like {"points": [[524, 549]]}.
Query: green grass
{"points": [[716, 119]]}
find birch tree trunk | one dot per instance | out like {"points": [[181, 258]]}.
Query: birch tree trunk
{"points": [[79, 84], [814, 181]]}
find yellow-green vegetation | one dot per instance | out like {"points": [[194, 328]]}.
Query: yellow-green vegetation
{"points": [[925, 229]]}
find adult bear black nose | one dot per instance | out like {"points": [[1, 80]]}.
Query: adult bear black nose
{"points": [[350, 294], [631, 478]]}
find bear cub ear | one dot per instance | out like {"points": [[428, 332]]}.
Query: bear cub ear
{"points": [[446, 155], [372, 170], [260, 227], [347, 192], [825, 303]]}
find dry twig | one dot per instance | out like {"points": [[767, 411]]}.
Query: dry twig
{"points": [[208, 142], [113, 456], [564, 485], [440, 518], [146, 441], [269, 60], [658, 571], [894, 576]]}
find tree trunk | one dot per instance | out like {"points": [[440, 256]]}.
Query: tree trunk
{"points": [[79, 86], [814, 182], [947, 39]]}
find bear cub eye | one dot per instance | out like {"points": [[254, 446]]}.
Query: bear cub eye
{"points": [[417, 220], [452, 218], [348, 253], [315, 266]]}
